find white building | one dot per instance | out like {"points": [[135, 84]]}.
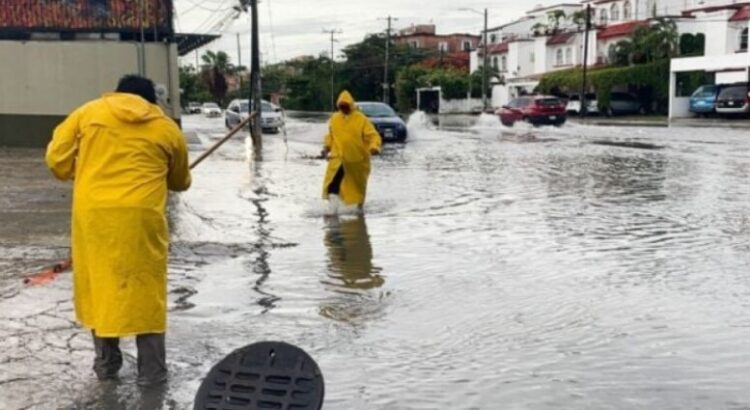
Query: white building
{"points": [[726, 54]]}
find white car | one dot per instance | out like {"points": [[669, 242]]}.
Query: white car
{"points": [[211, 110], [272, 116], [574, 104]]}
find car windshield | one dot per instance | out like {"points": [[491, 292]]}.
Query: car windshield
{"points": [[736, 92], [210, 105], [264, 106], [194, 104], [548, 102], [574, 97], [377, 110], [705, 92]]}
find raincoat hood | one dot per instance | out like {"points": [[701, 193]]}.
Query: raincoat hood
{"points": [[346, 97], [132, 108]]}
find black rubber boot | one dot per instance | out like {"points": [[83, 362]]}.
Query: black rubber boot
{"points": [[108, 359]]}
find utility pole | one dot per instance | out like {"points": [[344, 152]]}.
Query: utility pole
{"points": [[386, 81], [256, 133], [584, 107], [333, 33], [239, 59], [485, 79]]}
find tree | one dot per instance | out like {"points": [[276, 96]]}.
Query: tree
{"points": [[692, 45], [579, 18], [539, 29], [654, 42], [554, 18], [215, 68], [193, 88]]}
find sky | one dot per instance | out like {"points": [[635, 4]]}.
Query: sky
{"points": [[291, 28]]}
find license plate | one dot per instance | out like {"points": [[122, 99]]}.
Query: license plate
{"points": [[552, 117], [388, 133]]}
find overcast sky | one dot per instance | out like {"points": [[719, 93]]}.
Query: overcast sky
{"points": [[290, 28]]}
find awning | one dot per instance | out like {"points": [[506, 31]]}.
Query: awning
{"points": [[190, 42]]}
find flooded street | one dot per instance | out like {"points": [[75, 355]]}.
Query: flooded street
{"points": [[579, 267]]}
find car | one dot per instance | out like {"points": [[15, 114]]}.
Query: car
{"points": [[271, 116], [624, 103], [574, 104], [536, 110], [194, 108], [733, 99], [389, 125], [211, 110], [703, 100]]}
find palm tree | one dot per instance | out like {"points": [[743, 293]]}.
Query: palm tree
{"points": [[554, 18], [539, 29], [215, 68]]}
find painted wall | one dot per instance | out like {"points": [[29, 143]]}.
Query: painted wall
{"points": [[52, 78]]}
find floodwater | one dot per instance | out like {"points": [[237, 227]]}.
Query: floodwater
{"points": [[579, 267]]}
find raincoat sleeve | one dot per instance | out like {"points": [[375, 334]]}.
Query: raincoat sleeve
{"points": [[63, 149], [372, 137], [179, 178]]}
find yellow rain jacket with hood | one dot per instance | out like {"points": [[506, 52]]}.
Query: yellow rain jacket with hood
{"points": [[349, 142], [123, 154]]}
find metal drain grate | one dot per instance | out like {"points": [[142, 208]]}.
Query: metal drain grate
{"points": [[266, 375]]}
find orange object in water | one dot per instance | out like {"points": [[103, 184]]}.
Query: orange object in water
{"points": [[48, 275]]}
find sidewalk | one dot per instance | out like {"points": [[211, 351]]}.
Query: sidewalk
{"points": [[662, 121]]}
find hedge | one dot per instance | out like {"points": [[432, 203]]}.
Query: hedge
{"points": [[654, 75]]}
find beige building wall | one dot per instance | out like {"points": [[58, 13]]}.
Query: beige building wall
{"points": [[43, 81]]}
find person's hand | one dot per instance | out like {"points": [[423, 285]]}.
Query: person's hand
{"points": [[374, 151], [324, 153]]}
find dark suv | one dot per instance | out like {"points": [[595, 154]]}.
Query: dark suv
{"points": [[733, 99]]}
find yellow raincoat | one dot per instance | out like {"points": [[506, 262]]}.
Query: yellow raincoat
{"points": [[123, 154], [350, 139]]}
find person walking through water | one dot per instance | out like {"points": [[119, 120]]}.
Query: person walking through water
{"points": [[349, 144], [123, 155]]}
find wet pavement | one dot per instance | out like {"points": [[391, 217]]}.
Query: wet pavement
{"points": [[579, 267]]}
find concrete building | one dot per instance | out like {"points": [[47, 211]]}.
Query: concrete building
{"points": [[726, 55], [59, 55], [425, 37]]}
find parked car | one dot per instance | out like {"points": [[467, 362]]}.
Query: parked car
{"points": [[271, 116], [624, 103], [389, 125], [536, 110], [194, 108], [703, 100], [574, 104], [211, 110], [733, 99]]}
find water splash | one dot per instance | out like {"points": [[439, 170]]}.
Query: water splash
{"points": [[418, 122], [485, 121]]}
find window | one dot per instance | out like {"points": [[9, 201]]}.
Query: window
{"points": [[493, 38], [611, 52], [503, 64], [743, 40], [414, 44], [627, 11], [467, 45], [494, 63], [615, 13], [569, 56], [603, 17], [559, 57], [443, 46], [532, 57]]}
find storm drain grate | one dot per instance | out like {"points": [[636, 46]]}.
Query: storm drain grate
{"points": [[266, 375]]}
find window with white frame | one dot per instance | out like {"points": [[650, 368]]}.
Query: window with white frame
{"points": [[467, 45], [532, 57], [443, 46], [559, 57], [743, 40], [627, 11], [569, 56], [503, 64], [414, 43], [493, 38], [495, 63], [615, 12], [603, 17]]}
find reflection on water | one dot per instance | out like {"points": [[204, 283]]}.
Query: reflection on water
{"points": [[351, 272]]}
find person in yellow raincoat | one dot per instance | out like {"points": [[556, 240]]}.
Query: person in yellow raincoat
{"points": [[123, 155], [350, 142]]}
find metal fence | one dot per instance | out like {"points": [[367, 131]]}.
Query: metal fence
{"points": [[86, 15]]}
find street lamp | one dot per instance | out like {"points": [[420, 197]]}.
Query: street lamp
{"points": [[486, 55]]}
